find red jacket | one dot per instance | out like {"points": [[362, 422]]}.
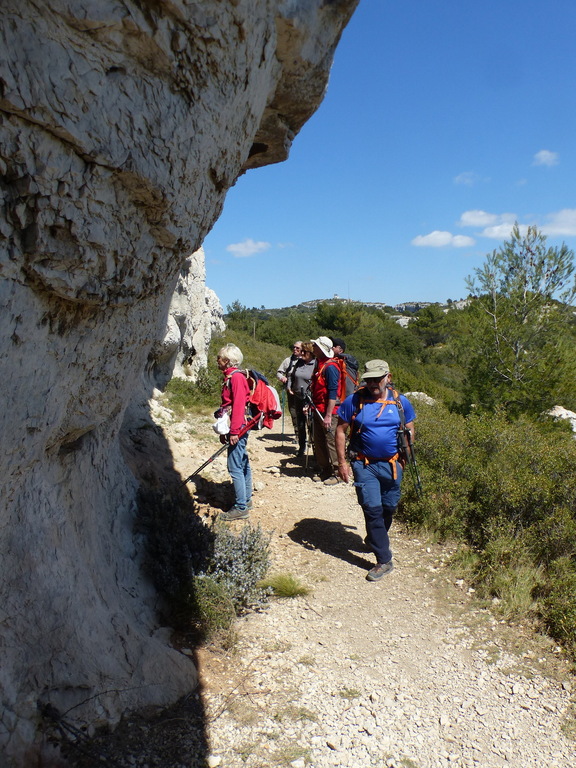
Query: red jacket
{"points": [[319, 387], [235, 394]]}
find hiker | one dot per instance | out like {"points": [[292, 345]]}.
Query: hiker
{"points": [[235, 394], [283, 374], [299, 386], [349, 365], [326, 394], [374, 414]]}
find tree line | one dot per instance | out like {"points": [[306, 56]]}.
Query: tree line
{"points": [[512, 347]]}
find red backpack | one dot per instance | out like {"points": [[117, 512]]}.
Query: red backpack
{"points": [[263, 401]]}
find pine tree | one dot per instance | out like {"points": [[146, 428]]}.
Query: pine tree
{"points": [[523, 326]]}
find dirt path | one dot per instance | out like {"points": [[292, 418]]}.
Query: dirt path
{"points": [[408, 671]]}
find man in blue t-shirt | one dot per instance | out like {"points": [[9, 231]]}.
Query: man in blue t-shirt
{"points": [[375, 414]]}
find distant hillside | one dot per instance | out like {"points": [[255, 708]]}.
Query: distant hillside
{"points": [[407, 307]]}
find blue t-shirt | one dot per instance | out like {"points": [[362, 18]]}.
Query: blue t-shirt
{"points": [[375, 432], [332, 375]]}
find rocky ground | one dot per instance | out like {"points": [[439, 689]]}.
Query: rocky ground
{"points": [[410, 671]]}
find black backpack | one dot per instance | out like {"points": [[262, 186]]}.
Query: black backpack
{"points": [[349, 367]]}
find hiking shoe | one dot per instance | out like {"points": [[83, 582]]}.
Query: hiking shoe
{"points": [[379, 570], [333, 480], [234, 513], [249, 504], [316, 478]]}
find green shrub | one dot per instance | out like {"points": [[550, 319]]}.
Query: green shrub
{"points": [[212, 608], [505, 570], [178, 546], [285, 585], [506, 490], [184, 395], [559, 602], [206, 576], [239, 563]]}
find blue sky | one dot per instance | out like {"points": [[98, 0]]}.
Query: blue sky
{"points": [[443, 123]]}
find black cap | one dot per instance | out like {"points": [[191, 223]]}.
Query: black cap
{"points": [[339, 343]]}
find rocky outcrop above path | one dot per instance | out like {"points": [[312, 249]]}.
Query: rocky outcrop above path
{"points": [[122, 125], [195, 316]]}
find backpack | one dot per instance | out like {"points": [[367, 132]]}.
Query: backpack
{"points": [[349, 371], [263, 401], [355, 431]]}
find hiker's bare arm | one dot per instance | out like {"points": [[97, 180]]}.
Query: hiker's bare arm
{"points": [[410, 428], [340, 441], [328, 415]]}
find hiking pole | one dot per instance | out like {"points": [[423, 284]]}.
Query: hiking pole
{"points": [[283, 399], [310, 434], [316, 411], [307, 426], [406, 449], [242, 432]]}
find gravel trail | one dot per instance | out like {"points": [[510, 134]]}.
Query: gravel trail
{"points": [[407, 672]]}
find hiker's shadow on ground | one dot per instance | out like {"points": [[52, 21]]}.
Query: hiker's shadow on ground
{"points": [[331, 537], [274, 437], [288, 449], [295, 467]]}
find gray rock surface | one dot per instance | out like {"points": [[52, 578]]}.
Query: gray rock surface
{"points": [[195, 315], [122, 125]]}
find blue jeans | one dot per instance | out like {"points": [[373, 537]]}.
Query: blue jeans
{"points": [[240, 472], [378, 495]]}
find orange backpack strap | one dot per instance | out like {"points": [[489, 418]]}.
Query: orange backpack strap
{"points": [[385, 402]]}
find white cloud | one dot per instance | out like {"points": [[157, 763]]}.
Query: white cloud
{"points": [[545, 157], [561, 223], [438, 239], [462, 241], [484, 219], [468, 178], [502, 231], [495, 225], [247, 248]]}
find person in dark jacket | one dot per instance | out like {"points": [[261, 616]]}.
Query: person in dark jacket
{"points": [[350, 364], [283, 375], [298, 387]]}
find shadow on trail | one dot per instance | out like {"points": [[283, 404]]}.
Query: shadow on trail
{"points": [[277, 437], [288, 449], [333, 538]]}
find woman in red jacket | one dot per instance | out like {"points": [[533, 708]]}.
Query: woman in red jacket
{"points": [[235, 394]]}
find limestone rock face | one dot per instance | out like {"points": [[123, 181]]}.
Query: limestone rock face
{"points": [[194, 316], [122, 125]]}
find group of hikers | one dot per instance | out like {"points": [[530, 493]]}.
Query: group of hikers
{"points": [[363, 429]]}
